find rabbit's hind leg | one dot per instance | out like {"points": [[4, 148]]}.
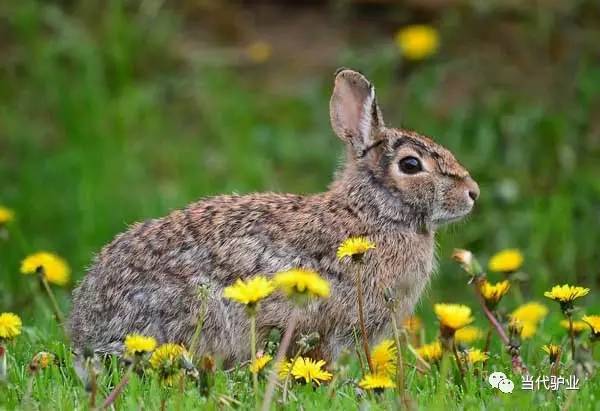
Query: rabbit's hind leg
{"points": [[216, 327]]}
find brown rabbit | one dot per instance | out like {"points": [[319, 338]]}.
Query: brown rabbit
{"points": [[396, 188]]}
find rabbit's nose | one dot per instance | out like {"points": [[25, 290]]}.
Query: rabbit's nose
{"points": [[472, 188], [474, 194]]}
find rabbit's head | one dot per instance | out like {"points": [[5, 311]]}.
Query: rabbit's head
{"points": [[397, 173]]}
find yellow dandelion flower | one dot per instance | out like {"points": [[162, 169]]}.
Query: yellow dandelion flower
{"points": [[260, 363], [529, 330], [300, 281], [412, 324], [453, 316], [532, 312], [259, 51], [283, 368], [251, 291], [6, 215], [553, 351], [10, 326], [310, 371], [594, 322], [468, 335], [493, 293], [506, 261], [166, 359], [431, 352], [474, 356], [417, 42], [42, 360], [55, 269], [139, 344], [354, 247], [566, 293], [376, 382], [383, 358], [578, 326]]}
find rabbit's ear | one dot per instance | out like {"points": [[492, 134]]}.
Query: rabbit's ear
{"points": [[355, 116]]}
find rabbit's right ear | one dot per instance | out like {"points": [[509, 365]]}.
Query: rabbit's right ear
{"points": [[355, 116]]}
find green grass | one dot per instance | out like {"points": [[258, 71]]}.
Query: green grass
{"points": [[104, 121]]}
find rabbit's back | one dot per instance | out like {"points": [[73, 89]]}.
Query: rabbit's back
{"points": [[147, 279]]}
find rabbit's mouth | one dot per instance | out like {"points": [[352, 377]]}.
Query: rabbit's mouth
{"points": [[449, 218]]}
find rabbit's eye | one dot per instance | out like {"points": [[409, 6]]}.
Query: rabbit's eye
{"points": [[410, 165]]}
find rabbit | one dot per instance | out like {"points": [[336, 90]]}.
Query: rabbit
{"points": [[395, 188]]}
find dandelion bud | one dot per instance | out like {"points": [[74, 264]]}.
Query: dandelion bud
{"points": [[207, 368], [207, 363], [203, 292], [467, 261], [41, 360], [553, 352], [515, 328], [463, 257]]}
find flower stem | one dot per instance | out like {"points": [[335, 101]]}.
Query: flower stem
{"points": [[418, 358], [361, 318], [517, 362], [491, 317], [287, 376], [571, 336], [27, 402], [441, 389], [197, 331], [357, 350], [488, 341], [112, 397], [57, 311], [555, 366], [283, 347], [399, 363], [458, 361], [93, 390], [331, 388], [253, 349]]}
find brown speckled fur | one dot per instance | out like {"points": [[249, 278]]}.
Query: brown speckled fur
{"points": [[146, 280]]}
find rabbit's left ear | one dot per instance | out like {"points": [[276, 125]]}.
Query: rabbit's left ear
{"points": [[355, 116]]}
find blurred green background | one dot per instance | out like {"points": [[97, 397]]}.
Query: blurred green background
{"points": [[115, 111]]}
